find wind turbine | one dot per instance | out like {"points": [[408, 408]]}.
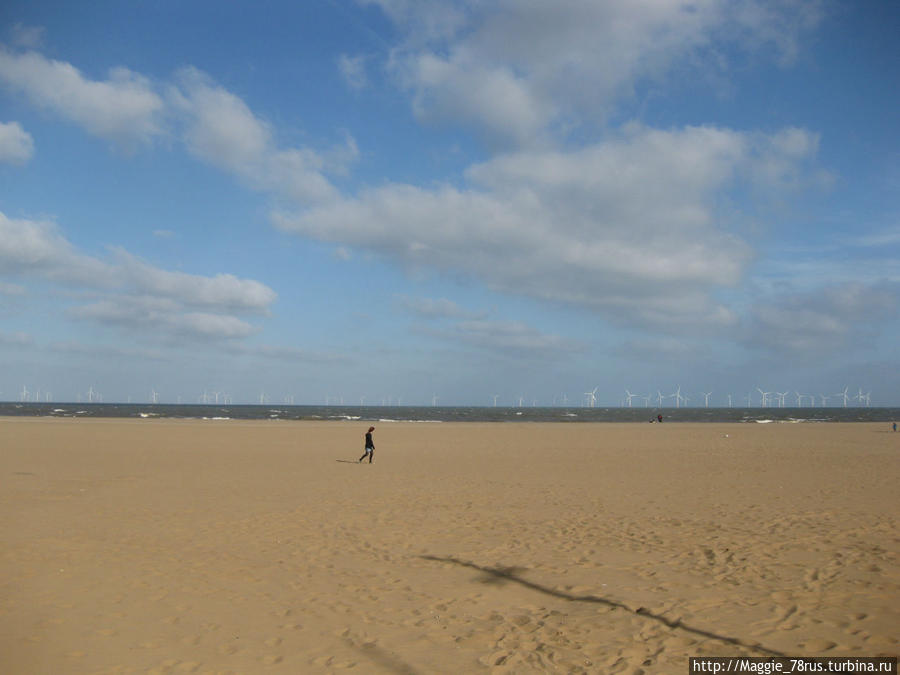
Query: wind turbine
{"points": [[843, 395], [678, 397], [765, 397], [706, 395], [591, 396], [781, 395], [434, 400], [629, 396], [729, 401], [659, 398], [496, 396]]}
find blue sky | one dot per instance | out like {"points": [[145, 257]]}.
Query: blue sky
{"points": [[396, 201]]}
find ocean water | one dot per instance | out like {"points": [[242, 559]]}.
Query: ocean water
{"points": [[448, 413]]}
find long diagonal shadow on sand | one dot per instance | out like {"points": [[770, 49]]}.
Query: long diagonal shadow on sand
{"points": [[501, 574], [384, 658]]}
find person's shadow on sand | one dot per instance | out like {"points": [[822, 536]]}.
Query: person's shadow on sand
{"points": [[500, 575]]}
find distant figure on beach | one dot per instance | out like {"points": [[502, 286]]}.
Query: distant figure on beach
{"points": [[895, 426], [370, 446], [659, 418]]}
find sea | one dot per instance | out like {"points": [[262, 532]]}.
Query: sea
{"points": [[437, 414]]}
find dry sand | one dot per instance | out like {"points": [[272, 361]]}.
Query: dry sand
{"points": [[135, 546]]}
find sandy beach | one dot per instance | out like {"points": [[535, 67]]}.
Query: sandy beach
{"points": [[168, 546]]}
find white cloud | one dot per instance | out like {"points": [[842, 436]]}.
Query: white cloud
{"points": [[493, 98], [629, 227], [506, 338], [459, 325], [283, 354], [212, 325], [513, 335], [886, 237], [222, 130], [159, 319], [134, 293], [783, 160], [38, 248], [813, 323], [16, 144], [105, 351], [440, 308], [223, 291], [774, 25], [221, 127], [16, 339], [545, 65], [424, 20], [27, 37], [651, 350], [353, 70], [11, 290], [215, 125], [123, 109]]}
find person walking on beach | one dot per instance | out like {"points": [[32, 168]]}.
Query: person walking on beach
{"points": [[370, 446]]}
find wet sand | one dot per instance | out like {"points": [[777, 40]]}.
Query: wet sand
{"points": [[164, 546]]}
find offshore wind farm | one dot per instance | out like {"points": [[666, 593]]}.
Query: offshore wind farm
{"points": [[596, 405], [221, 412], [595, 398]]}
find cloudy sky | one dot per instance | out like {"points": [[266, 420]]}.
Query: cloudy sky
{"points": [[413, 200]]}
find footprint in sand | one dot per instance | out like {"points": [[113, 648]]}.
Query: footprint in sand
{"points": [[818, 645], [228, 649]]}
